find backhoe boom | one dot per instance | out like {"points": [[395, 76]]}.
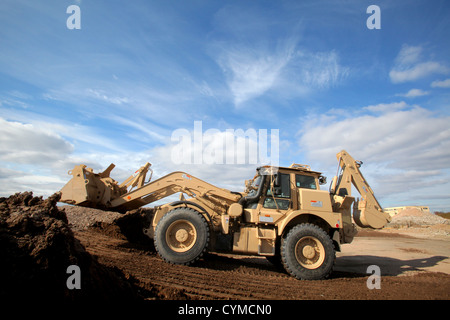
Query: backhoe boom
{"points": [[367, 211]]}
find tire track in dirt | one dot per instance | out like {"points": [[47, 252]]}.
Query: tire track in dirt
{"points": [[198, 281], [223, 277], [235, 282]]}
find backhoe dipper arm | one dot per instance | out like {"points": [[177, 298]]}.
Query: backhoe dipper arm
{"points": [[368, 213]]}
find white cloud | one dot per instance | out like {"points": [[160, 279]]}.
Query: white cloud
{"points": [[24, 143], [319, 69], [27, 156], [34, 157], [416, 182], [13, 181], [414, 93], [65, 129], [441, 84], [386, 107], [229, 176], [406, 149], [251, 73], [257, 60], [102, 95], [410, 138], [417, 71], [410, 66], [224, 158], [408, 55]]}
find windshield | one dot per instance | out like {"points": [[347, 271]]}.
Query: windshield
{"points": [[256, 182], [254, 186]]}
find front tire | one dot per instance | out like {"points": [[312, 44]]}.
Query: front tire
{"points": [[307, 252], [181, 236]]}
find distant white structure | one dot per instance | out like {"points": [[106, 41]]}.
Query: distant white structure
{"points": [[395, 210]]}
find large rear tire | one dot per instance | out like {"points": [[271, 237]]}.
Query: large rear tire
{"points": [[307, 252], [181, 236]]}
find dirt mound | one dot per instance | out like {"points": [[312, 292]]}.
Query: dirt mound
{"points": [[413, 212], [38, 246], [415, 217], [80, 218], [127, 226]]}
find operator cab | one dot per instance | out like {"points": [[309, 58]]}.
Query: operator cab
{"points": [[276, 187]]}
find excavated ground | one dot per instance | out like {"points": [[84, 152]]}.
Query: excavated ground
{"points": [[407, 263], [106, 246], [226, 277]]}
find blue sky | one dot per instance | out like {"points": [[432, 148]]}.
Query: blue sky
{"points": [[117, 89]]}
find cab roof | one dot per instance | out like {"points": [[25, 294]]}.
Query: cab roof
{"points": [[295, 167]]}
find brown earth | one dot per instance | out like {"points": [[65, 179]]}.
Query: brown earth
{"points": [[116, 261], [37, 247], [219, 276]]}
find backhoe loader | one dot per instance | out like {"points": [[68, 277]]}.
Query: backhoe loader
{"points": [[282, 214]]}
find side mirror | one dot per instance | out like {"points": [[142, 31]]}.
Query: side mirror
{"points": [[322, 180]]}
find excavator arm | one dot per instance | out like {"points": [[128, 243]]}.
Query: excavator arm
{"points": [[367, 212], [98, 190], [175, 182]]}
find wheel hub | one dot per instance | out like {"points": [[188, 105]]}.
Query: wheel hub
{"points": [[181, 235], [309, 252]]}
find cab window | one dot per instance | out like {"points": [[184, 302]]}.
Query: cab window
{"points": [[284, 188], [280, 198], [306, 182]]}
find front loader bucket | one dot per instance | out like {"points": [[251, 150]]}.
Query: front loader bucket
{"points": [[75, 191], [89, 189]]}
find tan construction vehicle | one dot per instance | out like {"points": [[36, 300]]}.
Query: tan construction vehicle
{"points": [[282, 215]]}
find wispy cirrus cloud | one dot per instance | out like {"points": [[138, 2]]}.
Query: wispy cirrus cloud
{"points": [[251, 73], [319, 69], [255, 62]]}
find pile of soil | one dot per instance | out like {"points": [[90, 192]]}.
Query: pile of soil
{"points": [[38, 246], [128, 226], [81, 218], [415, 217]]}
